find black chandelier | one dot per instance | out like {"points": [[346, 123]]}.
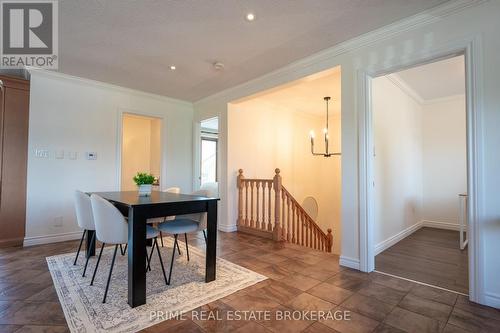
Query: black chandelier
{"points": [[325, 132]]}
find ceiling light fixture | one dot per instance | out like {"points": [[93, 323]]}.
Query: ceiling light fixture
{"points": [[173, 68], [250, 17], [327, 137]]}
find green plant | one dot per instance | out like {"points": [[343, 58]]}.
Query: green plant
{"points": [[144, 178]]}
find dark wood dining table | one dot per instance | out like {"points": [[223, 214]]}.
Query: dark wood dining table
{"points": [[158, 204]]}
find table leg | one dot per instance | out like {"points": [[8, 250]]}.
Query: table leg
{"points": [[136, 258], [90, 248], [211, 256]]}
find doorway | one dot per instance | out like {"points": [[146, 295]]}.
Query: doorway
{"points": [[140, 149], [420, 174]]}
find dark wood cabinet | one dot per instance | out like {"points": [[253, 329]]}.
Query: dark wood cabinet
{"points": [[14, 116]]}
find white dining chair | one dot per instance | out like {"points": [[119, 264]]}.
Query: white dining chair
{"points": [[112, 228], [187, 223], [85, 221]]}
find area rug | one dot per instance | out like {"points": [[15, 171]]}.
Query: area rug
{"points": [[85, 312]]}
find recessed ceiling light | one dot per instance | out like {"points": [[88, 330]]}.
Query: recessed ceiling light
{"points": [[250, 17], [172, 68]]}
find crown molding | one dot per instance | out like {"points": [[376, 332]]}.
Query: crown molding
{"points": [[79, 80], [444, 99], [401, 84], [303, 66]]}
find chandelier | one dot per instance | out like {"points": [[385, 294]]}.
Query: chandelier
{"points": [[325, 132]]}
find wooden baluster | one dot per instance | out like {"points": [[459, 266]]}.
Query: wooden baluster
{"points": [[277, 205], [288, 235], [264, 226], [269, 223], [252, 224], [308, 231], [293, 223], [246, 205], [315, 238], [239, 184], [257, 216], [302, 231], [283, 211], [329, 242], [310, 234]]}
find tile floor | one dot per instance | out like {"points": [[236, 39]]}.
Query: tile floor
{"points": [[299, 279]]}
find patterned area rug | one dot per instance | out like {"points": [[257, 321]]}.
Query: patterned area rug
{"points": [[82, 303]]}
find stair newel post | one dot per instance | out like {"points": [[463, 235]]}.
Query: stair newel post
{"points": [[239, 184], [329, 238], [277, 205]]}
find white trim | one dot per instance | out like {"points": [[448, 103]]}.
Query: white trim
{"points": [[422, 283], [443, 99], [38, 240], [472, 50], [384, 245], [401, 84], [228, 228], [104, 85], [440, 225], [349, 262], [492, 299]]}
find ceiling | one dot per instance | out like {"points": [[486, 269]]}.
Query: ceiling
{"points": [[133, 43], [305, 95], [436, 80]]}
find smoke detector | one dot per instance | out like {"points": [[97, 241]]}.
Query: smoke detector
{"points": [[218, 66]]}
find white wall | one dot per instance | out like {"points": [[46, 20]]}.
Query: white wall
{"points": [[77, 115], [444, 160], [264, 136], [398, 162], [446, 28]]}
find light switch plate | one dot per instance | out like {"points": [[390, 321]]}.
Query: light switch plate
{"points": [[91, 155], [41, 153]]}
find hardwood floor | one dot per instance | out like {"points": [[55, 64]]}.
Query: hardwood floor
{"points": [[428, 255], [299, 279]]}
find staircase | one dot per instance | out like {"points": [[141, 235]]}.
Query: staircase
{"points": [[266, 208]]}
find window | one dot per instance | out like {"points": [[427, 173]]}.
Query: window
{"points": [[208, 160]]}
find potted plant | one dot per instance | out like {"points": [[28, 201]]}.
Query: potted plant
{"points": [[145, 182]]}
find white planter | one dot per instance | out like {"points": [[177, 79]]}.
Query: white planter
{"points": [[145, 190]]}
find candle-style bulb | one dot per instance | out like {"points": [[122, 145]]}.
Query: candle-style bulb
{"points": [[325, 130], [311, 134]]}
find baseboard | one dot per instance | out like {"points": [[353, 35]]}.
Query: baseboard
{"points": [[492, 299], [39, 240], [384, 245], [441, 225], [227, 228], [349, 262]]}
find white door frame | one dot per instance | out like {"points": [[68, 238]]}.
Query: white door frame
{"points": [[471, 49], [119, 139]]}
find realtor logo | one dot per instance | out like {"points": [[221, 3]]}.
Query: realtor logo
{"points": [[29, 33]]}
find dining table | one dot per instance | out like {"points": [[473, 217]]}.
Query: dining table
{"points": [[139, 209]]}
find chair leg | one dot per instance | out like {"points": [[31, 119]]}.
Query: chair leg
{"points": [[110, 272], [172, 261], [187, 248], [97, 264], [79, 247], [123, 250], [178, 248], [161, 239], [205, 236], [161, 262], [87, 260], [148, 257]]}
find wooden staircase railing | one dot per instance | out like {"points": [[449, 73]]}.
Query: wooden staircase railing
{"points": [[266, 208]]}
